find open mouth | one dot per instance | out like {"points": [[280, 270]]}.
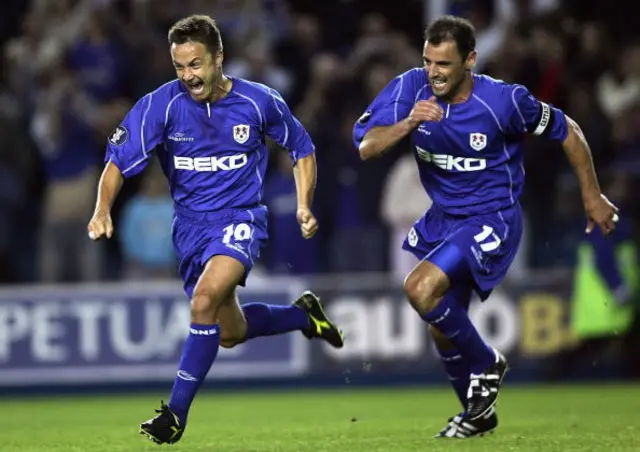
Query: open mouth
{"points": [[438, 84], [196, 88]]}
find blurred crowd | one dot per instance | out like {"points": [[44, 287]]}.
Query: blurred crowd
{"points": [[72, 69]]}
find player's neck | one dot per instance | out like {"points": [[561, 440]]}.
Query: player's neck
{"points": [[464, 91], [222, 88]]}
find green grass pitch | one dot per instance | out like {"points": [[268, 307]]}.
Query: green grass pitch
{"points": [[535, 418]]}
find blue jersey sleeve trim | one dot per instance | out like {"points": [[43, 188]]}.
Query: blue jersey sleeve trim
{"points": [[515, 104], [255, 105], [166, 113], [286, 127]]}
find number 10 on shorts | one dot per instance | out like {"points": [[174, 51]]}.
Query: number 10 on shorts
{"points": [[237, 232]]}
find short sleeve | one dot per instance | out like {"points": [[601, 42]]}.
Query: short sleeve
{"points": [[530, 115], [285, 129], [392, 104], [130, 145]]}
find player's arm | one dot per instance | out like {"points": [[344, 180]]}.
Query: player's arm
{"points": [[379, 140], [539, 118], [129, 149], [305, 173], [108, 189], [392, 116], [285, 129], [579, 154]]}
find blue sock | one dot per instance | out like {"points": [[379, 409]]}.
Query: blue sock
{"points": [[198, 353], [452, 320], [269, 320], [458, 370]]}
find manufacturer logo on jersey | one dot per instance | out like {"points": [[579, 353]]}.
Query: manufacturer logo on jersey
{"points": [[210, 164], [241, 133], [422, 129], [477, 141], [364, 118], [451, 163], [179, 136], [119, 136]]}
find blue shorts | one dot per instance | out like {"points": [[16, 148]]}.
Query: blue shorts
{"points": [[198, 236], [476, 250]]}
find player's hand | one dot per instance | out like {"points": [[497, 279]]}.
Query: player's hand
{"points": [[601, 212], [308, 223], [100, 225], [425, 110]]}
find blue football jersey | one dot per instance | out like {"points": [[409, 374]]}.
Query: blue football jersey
{"points": [[213, 154], [471, 161]]}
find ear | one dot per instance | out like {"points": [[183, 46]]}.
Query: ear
{"points": [[470, 62], [219, 58]]}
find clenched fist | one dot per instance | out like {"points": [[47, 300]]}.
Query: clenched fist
{"points": [[308, 223], [601, 212], [100, 225], [425, 110]]}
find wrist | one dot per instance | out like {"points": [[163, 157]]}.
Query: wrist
{"points": [[409, 123], [102, 210], [591, 197]]}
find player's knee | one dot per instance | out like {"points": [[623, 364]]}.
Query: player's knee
{"points": [[423, 291], [205, 305]]}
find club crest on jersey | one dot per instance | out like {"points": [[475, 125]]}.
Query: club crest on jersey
{"points": [[241, 133], [477, 141]]}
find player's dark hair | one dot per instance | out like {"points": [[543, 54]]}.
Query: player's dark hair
{"points": [[452, 28], [197, 28]]}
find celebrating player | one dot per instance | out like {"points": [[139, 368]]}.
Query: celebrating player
{"points": [[467, 130], [208, 132]]}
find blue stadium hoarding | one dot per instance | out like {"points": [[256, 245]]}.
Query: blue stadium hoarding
{"points": [[122, 334]]}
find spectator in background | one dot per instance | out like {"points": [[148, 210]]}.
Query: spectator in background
{"points": [[19, 175], [288, 252], [404, 202], [358, 241], [627, 141], [146, 228], [619, 88], [584, 108], [606, 289], [65, 140], [257, 64], [96, 60], [296, 51]]}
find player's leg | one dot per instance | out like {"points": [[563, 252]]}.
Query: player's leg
{"points": [[241, 323], [214, 288], [426, 287], [457, 367], [259, 319]]}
